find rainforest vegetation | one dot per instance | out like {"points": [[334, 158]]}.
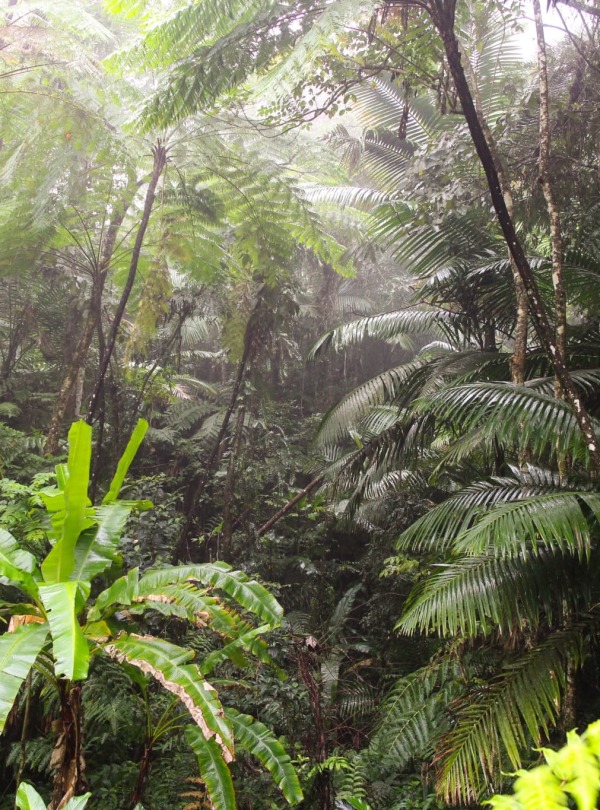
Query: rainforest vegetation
{"points": [[299, 404]]}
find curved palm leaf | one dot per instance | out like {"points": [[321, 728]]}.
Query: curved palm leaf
{"points": [[477, 594], [163, 662], [518, 416], [509, 516], [346, 414], [495, 721], [390, 326], [258, 740], [413, 715], [213, 768], [18, 652]]}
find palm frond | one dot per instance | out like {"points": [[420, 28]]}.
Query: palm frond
{"points": [[517, 416], [494, 722], [476, 594], [413, 715], [390, 326]]}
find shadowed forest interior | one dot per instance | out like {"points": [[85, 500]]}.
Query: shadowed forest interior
{"points": [[299, 404]]}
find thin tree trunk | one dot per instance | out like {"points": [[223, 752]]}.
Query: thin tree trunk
{"points": [[80, 354], [518, 357], [77, 363], [144, 770], [159, 153], [320, 743], [556, 239], [290, 505], [229, 488], [443, 12], [197, 489]]}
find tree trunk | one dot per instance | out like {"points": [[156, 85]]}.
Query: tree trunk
{"points": [[196, 489], [442, 12], [290, 505], [79, 357], [159, 153], [519, 355], [556, 239], [67, 757], [229, 487], [144, 770], [319, 742]]}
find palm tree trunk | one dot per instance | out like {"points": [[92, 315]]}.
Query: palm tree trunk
{"points": [[443, 16]]}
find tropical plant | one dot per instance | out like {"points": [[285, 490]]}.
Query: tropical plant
{"points": [[56, 628], [570, 774], [29, 799]]}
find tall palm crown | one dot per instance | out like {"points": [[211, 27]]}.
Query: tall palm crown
{"points": [[508, 545]]}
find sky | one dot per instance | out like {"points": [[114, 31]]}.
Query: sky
{"points": [[553, 27]]}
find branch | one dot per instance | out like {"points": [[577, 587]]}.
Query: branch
{"points": [[595, 12], [290, 505]]}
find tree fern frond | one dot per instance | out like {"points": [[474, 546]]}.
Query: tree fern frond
{"points": [[298, 63], [380, 104], [363, 199]]}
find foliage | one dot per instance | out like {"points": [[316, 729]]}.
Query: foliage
{"points": [[85, 542], [571, 773], [29, 799]]}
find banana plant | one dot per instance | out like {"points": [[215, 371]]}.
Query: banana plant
{"points": [[29, 799], [58, 621]]}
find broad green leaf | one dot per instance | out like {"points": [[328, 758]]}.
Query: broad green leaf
{"points": [[29, 799], [16, 564], [165, 663], [125, 461], [247, 592], [358, 804], [233, 651], [121, 592], [539, 788], [95, 551], [63, 602], [202, 607], [59, 563], [213, 769], [78, 803], [578, 769], [258, 740], [18, 652]]}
